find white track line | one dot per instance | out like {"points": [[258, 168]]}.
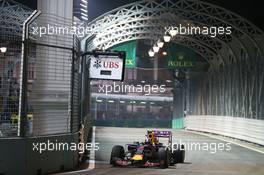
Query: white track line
{"points": [[227, 140]]}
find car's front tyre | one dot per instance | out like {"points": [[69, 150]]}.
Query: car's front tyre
{"points": [[118, 152]]}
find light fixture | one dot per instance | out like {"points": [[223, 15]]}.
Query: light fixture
{"points": [[83, 17], [143, 81], [173, 32], [110, 101], [84, 14], [83, 5], [151, 53], [3, 49], [156, 49], [168, 81], [84, 10], [160, 44], [84, 1], [164, 53], [122, 101], [99, 101], [143, 102], [167, 38]]}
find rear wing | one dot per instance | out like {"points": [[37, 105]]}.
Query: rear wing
{"points": [[165, 134], [161, 134]]}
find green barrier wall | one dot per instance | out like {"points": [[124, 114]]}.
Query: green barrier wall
{"points": [[177, 123]]}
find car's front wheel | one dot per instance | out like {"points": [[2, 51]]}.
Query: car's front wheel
{"points": [[117, 152]]}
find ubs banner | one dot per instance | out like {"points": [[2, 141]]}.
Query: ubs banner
{"points": [[182, 57]]}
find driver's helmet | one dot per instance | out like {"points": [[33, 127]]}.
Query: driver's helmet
{"points": [[152, 138]]}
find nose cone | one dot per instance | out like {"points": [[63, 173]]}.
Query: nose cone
{"points": [[137, 157]]}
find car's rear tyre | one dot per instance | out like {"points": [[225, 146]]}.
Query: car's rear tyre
{"points": [[164, 157], [117, 152], [178, 155]]}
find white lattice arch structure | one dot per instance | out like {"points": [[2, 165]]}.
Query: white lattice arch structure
{"points": [[147, 19]]}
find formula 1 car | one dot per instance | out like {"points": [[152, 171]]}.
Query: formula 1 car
{"points": [[150, 153]]}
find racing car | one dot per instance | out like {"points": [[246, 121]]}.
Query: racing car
{"points": [[150, 153]]}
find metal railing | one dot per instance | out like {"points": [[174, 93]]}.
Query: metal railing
{"points": [[40, 81], [9, 87], [232, 90], [52, 95]]}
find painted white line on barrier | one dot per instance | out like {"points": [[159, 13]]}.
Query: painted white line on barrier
{"points": [[227, 140], [92, 152]]}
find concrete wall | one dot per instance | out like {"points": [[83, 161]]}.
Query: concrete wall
{"points": [[17, 156], [251, 130]]}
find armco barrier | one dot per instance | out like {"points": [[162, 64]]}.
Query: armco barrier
{"points": [[241, 128]]}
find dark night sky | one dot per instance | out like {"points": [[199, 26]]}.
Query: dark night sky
{"points": [[249, 9]]}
